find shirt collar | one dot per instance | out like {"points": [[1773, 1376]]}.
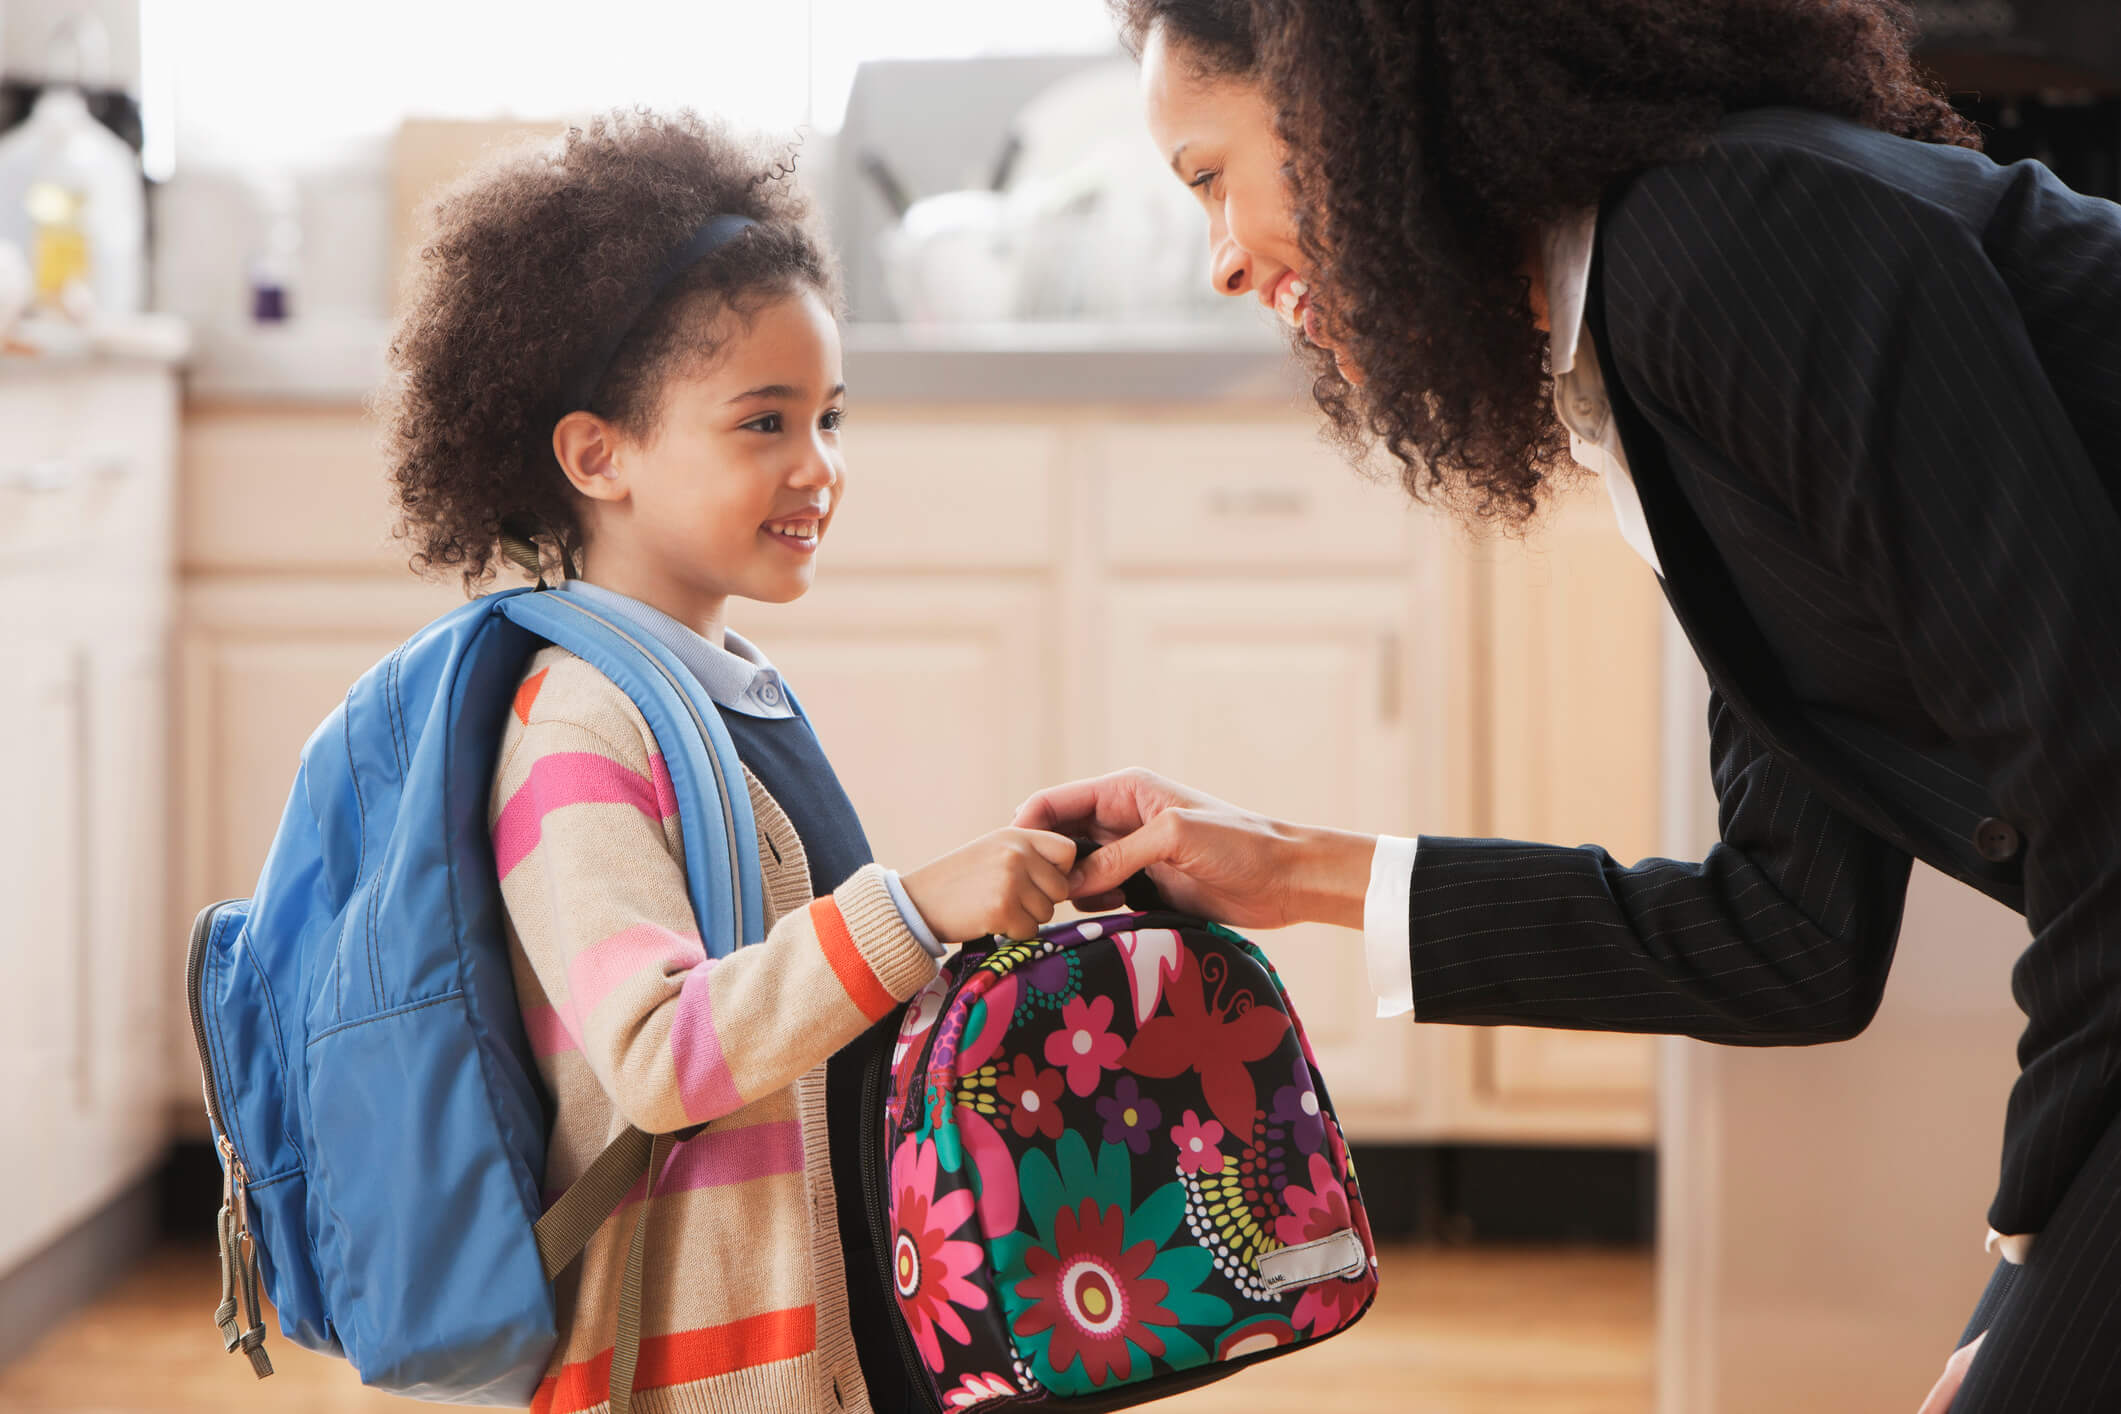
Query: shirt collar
{"points": [[733, 673], [1565, 249]]}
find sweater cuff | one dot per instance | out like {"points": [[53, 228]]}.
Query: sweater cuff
{"points": [[902, 966], [912, 915]]}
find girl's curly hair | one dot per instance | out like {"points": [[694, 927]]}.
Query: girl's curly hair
{"points": [[527, 259], [1428, 140]]}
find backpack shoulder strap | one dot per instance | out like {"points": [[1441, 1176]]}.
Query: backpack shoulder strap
{"points": [[721, 854]]}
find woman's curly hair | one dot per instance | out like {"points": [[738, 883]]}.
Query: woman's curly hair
{"points": [[1428, 140], [527, 259]]}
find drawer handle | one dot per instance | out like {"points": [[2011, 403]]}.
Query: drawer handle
{"points": [[1259, 501], [55, 474]]}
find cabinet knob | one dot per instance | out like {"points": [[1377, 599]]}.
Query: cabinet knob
{"points": [[1278, 501]]}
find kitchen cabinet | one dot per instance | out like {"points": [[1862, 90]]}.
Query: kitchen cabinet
{"points": [[85, 968], [1016, 595]]}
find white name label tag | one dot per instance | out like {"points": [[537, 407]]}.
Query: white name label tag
{"points": [[1337, 1255]]}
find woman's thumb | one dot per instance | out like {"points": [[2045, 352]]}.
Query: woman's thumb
{"points": [[1104, 870]]}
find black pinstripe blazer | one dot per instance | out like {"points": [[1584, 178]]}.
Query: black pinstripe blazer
{"points": [[1870, 390]]}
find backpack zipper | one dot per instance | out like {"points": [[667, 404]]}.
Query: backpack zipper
{"points": [[239, 1246], [876, 1080]]}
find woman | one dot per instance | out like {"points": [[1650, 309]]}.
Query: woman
{"points": [[1855, 392]]}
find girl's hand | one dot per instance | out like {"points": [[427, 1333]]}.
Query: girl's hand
{"points": [[1008, 882], [1208, 857]]}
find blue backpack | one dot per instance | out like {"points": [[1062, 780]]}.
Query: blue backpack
{"points": [[379, 1118]]}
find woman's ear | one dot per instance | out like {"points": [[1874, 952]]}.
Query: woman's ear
{"points": [[586, 446]]}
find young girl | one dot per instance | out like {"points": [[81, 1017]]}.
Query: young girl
{"points": [[623, 350]]}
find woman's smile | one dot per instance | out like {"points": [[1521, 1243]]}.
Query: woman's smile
{"points": [[1290, 299]]}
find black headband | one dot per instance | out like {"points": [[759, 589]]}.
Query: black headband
{"points": [[714, 233]]}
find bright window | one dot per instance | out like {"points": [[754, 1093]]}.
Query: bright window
{"points": [[269, 83]]}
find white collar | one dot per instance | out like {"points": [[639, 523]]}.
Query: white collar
{"points": [[734, 673], [1565, 252]]}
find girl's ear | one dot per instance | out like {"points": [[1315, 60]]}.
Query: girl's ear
{"points": [[586, 446]]}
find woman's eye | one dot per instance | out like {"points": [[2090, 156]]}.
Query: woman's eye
{"points": [[766, 422], [832, 419], [1204, 183]]}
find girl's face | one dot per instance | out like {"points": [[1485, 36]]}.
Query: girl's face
{"points": [[734, 490], [1218, 133]]}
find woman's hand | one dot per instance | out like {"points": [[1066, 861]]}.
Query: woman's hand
{"points": [[1207, 856], [1947, 1386], [1008, 882]]}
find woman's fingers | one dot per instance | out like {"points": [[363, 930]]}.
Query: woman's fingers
{"points": [[1947, 1387], [1104, 807], [1111, 866]]}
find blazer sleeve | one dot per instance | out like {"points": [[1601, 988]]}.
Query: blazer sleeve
{"points": [[1850, 349], [1782, 935]]}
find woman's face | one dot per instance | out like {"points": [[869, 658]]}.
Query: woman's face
{"points": [[1217, 130]]}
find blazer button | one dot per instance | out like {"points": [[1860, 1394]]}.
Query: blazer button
{"points": [[1997, 841]]}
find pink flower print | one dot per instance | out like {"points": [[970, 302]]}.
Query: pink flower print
{"points": [[1196, 1144], [978, 1389], [928, 1267], [1034, 1099], [1326, 1306], [1318, 1211], [1085, 1046]]}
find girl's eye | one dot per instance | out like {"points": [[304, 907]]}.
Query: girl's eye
{"points": [[832, 419], [765, 422], [1205, 182]]}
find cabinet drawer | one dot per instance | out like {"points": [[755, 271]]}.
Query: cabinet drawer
{"points": [[933, 495], [85, 476], [286, 489], [1243, 495]]}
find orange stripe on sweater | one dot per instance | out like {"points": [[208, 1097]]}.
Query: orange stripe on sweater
{"points": [[527, 694], [848, 964], [683, 1357]]}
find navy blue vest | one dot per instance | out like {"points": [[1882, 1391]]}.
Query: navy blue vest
{"points": [[783, 752]]}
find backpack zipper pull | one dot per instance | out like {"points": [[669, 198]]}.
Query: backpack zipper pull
{"points": [[244, 1249], [225, 1235]]}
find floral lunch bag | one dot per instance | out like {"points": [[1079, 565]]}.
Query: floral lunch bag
{"points": [[1106, 1170]]}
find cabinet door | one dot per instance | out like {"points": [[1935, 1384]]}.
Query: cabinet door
{"points": [[1291, 699], [1572, 660], [44, 944], [934, 699], [81, 987], [126, 796]]}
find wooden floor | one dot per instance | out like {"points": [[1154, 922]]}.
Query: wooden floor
{"points": [[1453, 1332]]}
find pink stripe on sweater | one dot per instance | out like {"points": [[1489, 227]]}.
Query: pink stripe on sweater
{"points": [[721, 1157], [551, 1030], [626, 955], [724, 1156], [566, 778], [705, 1086]]}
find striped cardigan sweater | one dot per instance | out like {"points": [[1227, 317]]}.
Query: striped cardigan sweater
{"points": [[744, 1296]]}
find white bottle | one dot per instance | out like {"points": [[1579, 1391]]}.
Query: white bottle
{"points": [[71, 198]]}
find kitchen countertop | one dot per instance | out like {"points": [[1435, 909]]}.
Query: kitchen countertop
{"points": [[341, 361], [37, 345]]}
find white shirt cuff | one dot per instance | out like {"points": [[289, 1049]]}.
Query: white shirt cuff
{"points": [[915, 924], [2012, 1247], [1387, 945]]}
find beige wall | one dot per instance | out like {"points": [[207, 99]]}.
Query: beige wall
{"points": [[1823, 1207]]}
